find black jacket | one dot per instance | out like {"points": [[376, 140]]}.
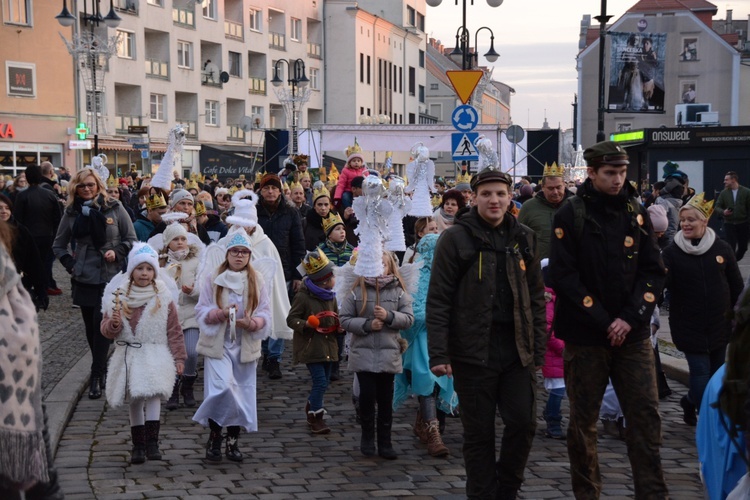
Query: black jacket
{"points": [[313, 230], [37, 208], [462, 286], [703, 290], [614, 271], [284, 227]]}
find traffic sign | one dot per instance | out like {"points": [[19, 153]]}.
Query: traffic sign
{"points": [[515, 134], [462, 145], [465, 118], [140, 146], [138, 140], [464, 82], [144, 154], [137, 129]]}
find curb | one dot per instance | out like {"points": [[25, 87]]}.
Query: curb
{"points": [[675, 368], [64, 397]]}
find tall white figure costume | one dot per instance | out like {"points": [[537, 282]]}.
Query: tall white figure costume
{"points": [[372, 211], [487, 154], [400, 203], [420, 173], [244, 219], [175, 141]]}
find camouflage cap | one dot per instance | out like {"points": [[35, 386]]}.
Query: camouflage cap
{"points": [[606, 153]]}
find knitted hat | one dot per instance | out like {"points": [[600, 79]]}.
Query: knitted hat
{"points": [[316, 266], [238, 239], [172, 231], [220, 191], [658, 218], [179, 195], [142, 252], [270, 179], [245, 214]]}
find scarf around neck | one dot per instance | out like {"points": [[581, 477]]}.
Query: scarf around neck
{"points": [[235, 281], [449, 219], [90, 221], [139, 295], [380, 282], [319, 292], [702, 247]]}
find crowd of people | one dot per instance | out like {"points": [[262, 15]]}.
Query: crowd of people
{"points": [[488, 282]]}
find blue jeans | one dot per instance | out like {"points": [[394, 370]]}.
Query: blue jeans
{"points": [[554, 401], [272, 348], [321, 376], [702, 365], [346, 199]]}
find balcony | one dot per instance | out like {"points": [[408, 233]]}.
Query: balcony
{"points": [[236, 134], [183, 17], [157, 69], [234, 30], [257, 86], [122, 122], [191, 128], [314, 50], [276, 41], [126, 7]]}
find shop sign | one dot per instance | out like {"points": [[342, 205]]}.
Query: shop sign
{"points": [[76, 144], [20, 79], [6, 131]]}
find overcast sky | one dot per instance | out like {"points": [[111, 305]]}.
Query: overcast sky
{"points": [[538, 42]]}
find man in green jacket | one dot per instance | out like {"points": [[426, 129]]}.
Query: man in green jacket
{"points": [[537, 213], [486, 326], [734, 203]]}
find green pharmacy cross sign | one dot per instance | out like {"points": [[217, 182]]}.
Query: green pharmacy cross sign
{"points": [[82, 131]]}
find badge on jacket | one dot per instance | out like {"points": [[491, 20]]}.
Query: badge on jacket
{"points": [[110, 221]]}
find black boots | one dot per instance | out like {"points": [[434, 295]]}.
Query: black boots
{"points": [[688, 412], [274, 370], [385, 449], [152, 440], [186, 390], [138, 453], [233, 451], [367, 441], [95, 389], [213, 447], [174, 400]]}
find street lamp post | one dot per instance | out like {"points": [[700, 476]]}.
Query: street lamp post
{"points": [[91, 50], [603, 18], [292, 98]]}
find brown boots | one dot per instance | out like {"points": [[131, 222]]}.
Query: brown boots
{"points": [[428, 433], [315, 420]]}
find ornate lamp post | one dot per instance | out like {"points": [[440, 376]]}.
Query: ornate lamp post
{"points": [[293, 97], [90, 50]]}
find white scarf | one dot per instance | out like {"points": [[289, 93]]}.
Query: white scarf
{"points": [[233, 280], [139, 295], [179, 254], [702, 247]]}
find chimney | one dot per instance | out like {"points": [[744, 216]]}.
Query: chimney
{"points": [[728, 22], [585, 24]]}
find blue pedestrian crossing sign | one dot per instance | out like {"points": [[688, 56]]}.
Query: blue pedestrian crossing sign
{"points": [[462, 145], [465, 118]]}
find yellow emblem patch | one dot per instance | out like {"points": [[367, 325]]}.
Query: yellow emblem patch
{"points": [[628, 241], [719, 259], [110, 220], [649, 297], [639, 219], [559, 233], [522, 265], [588, 301]]}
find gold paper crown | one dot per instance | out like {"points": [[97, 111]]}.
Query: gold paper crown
{"points": [[112, 182], [314, 262], [194, 176], [464, 178], [333, 174], [154, 201], [322, 175], [436, 201], [300, 160], [200, 208], [295, 185], [215, 177], [353, 149], [241, 177], [699, 203], [323, 191], [258, 177], [284, 186], [233, 190], [192, 184], [553, 170], [331, 221], [305, 175]]}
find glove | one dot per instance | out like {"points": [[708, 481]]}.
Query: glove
{"points": [[68, 263]]}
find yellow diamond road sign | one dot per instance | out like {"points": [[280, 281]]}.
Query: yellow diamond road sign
{"points": [[464, 82]]}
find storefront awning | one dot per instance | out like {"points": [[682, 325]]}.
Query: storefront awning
{"points": [[108, 145]]}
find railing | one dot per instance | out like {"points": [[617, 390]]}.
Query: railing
{"points": [[126, 6], [236, 133], [157, 69], [190, 127], [122, 122], [276, 40], [257, 86], [210, 80], [183, 17], [314, 50], [234, 30]]}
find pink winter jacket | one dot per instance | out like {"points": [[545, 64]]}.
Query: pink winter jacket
{"points": [[346, 177], [553, 359]]}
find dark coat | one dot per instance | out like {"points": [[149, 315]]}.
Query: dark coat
{"points": [[703, 289], [28, 261], [310, 346], [313, 230], [604, 275], [537, 213], [284, 227], [462, 287], [40, 211]]}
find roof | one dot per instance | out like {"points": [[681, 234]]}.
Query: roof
{"points": [[731, 38], [437, 64], [673, 5]]}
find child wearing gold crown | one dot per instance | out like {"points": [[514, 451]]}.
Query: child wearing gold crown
{"points": [[314, 319], [355, 167]]}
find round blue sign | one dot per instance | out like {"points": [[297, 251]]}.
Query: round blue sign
{"points": [[465, 118]]}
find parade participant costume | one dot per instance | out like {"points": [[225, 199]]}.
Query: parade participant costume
{"points": [[400, 206], [420, 172]]}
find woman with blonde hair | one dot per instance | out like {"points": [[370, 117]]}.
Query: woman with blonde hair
{"points": [[102, 234]]}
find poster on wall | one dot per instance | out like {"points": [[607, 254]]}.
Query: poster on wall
{"points": [[636, 72]]}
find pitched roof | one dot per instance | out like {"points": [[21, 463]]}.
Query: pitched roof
{"points": [[672, 5]]}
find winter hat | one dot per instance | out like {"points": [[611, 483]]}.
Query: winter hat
{"points": [[172, 231], [527, 190], [270, 179], [179, 195], [142, 252], [658, 218], [239, 239], [245, 214]]}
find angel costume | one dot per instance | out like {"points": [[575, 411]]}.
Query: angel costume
{"points": [[372, 212], [420, 174], [400, 204]]}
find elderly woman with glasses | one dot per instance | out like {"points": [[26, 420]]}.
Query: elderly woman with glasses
{"points": [[100, 232]]}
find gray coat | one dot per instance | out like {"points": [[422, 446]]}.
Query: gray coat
{"points": [[377, 352], [90, 267]]}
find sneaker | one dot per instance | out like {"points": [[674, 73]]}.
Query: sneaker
{"points": [[274, 371], [554, 433]]}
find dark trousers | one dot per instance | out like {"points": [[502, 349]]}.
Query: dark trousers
{"points": [[631, 368], [98, 343], [483, 391], [702, 366], [737, 236], [47, 258], [376, 388]]}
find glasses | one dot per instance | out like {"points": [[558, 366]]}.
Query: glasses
{"points": [[234, 252], [88, 185]]}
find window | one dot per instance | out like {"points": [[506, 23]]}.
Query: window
{"points": [[296, 30], [158, 3], [412, 81], [235, 64], [212, 113], [400, 80], [421, 58], [361, 68], [420, 21], [257, 110], [411, 16], [421, 93], [17, 11], [434, 86], [314, 78], [368, 70], [209, 9], [125, 44], [159, 107], [256, 20], [184, 54]]}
